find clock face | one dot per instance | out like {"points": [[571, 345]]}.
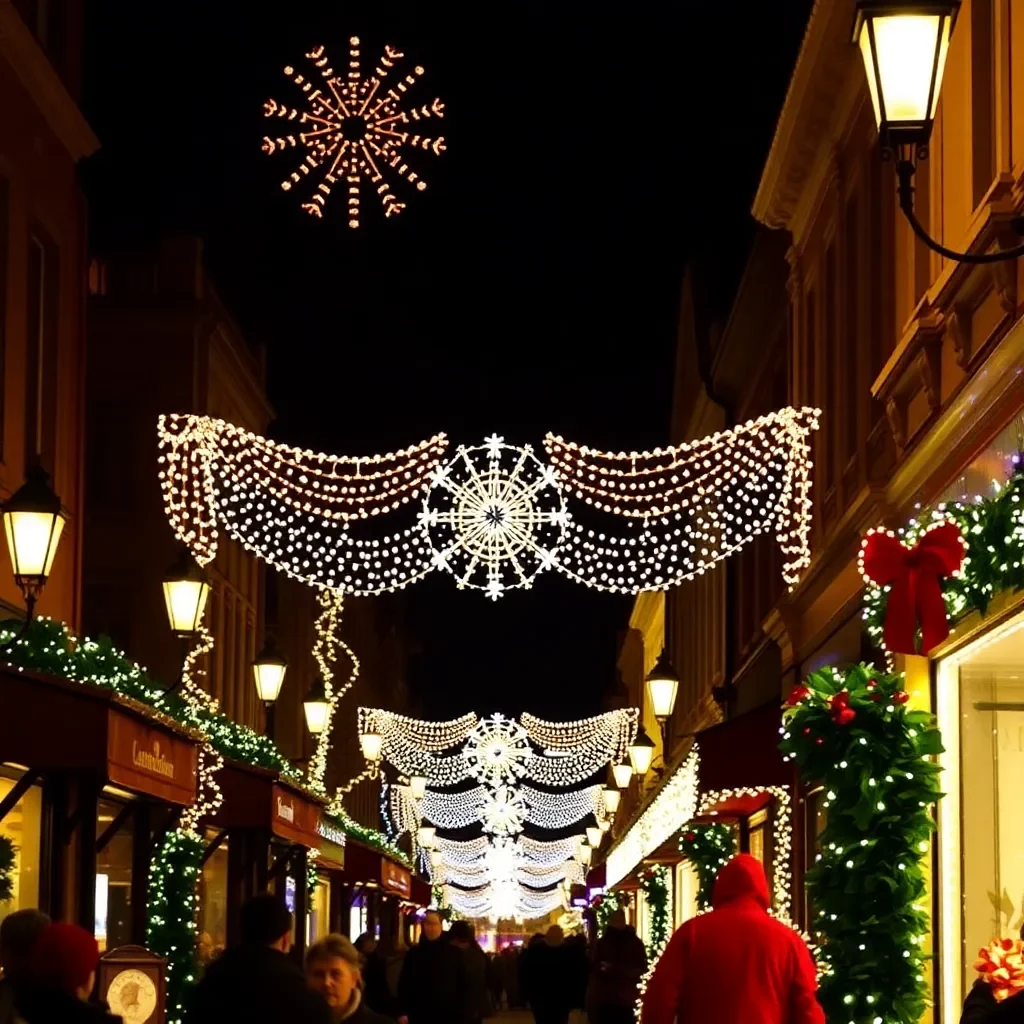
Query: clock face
{"points": [[132, 996]]}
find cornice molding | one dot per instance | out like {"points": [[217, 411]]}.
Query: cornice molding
{"points": [[32, 66], [809, 114]]}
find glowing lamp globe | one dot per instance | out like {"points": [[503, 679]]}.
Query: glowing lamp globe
{"points": [[594, 836], [622, 773], [585, 855], [436, 858], [612, 797], [418, 787], [904, 47], [33, 522], [268, 672], [425, 836], [186, 590], [641, 752], [316, 708], [605, 824], [371, 743], [663, 688]]}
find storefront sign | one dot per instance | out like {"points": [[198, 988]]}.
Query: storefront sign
{"points": [[395, 878], [293, 816], [331, 833], [149, 759]]}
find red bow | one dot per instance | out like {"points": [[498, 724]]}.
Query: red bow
{"points": [[914, 574]]}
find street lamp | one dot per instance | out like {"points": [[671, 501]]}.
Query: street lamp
{"points": [[186, 590], [641, 752], [622, 773], [417, 787], [425, 836], [594, 836], [612, 797], [584, 856], [436, 858], [316, 707], [268, 672], [663, 688], [904, 47], [371, 743], [33, 522]]}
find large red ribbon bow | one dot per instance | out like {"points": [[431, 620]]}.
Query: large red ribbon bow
{"points": [[913, 574]]}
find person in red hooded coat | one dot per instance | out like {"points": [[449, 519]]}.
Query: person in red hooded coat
{"points": [[736, 964]]}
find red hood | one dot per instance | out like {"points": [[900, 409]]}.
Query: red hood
{"points": [[742, 878]]}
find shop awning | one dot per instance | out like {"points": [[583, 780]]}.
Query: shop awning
{"points": [[61, 724], [331, 843], [365, 866], [256, 798], [421, 894], [740, 761]]}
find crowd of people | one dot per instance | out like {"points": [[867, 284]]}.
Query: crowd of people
{"points": [[734, 965]]}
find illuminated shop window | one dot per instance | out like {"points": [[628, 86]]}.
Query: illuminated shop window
{"points": [[213, 902], [113, 876], [21, 826]]}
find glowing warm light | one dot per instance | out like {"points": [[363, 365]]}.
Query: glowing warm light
{"points": [[622, 774], [186, 590], [317, 708], [370, 743], [353, 130], [641, 753], [594, 836], [426, 835], [418, 787], [33, 522], [612, 798], [268, 671], [904, 55], [663, 687]]}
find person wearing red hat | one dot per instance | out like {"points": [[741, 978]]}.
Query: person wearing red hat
{"points": [[64, 964], [737, 964]]}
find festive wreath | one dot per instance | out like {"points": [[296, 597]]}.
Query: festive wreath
{"points": [[853, 733], [708, 848]]}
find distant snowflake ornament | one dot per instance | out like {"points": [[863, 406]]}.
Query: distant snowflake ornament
{"points": [[504, 811], [497, 750], [353, 129], [494, 516]]}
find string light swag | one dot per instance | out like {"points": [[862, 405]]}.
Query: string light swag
{"points": [[494, 516], [689, 506], [353, 130], [853, 733]]}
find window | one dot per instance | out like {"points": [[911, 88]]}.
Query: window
{"points": [[687, 886], [113, 875], [357, 917], [213, 903], [983, 87], [318, 922], [21, 826], [41, 352]]}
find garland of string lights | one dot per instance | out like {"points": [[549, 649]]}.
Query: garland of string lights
{"points": [[494, 515]]}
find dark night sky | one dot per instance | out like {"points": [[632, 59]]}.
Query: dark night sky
{"points": [[593, 149]]}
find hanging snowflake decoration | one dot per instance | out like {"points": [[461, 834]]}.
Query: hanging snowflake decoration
{"points": [[501, 859], [497, 751], [353, 129], [504, 811], [494, 516]]}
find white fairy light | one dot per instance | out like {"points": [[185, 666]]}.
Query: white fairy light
{"points": [[612, 732], [562, 809], [504, 811], [494, 516], [497, 750], [453, 810]]}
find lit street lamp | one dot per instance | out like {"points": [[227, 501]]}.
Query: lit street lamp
{"points": [[622, 773], [594, 836], [371, 743], [268, 672], [186, 590], [663, 688], [612, 797], [417, 787], [316, 707], [425, 836], [904, 47], [33, 522], [641, 752]]}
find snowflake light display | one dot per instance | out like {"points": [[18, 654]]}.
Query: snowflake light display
{"points": [[494, 516], [353, 130], [503, 811], [497, 750]]}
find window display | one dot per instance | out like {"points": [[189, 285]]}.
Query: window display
{"points": [[21, 826], [213, 902], [113, 876], [318, 923]]}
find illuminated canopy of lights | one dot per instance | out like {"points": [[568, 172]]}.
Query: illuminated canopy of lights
{"points": [[497, 751], [353, 130], [494, 516]]}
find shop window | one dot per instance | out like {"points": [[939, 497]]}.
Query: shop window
{"points": [[113, 875], [213, 902], [686, 887], [21, 826], [357, 917], [318, 922]]}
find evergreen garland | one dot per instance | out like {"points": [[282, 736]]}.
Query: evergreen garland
{"points": [[853, 734], [172, 906], [604, 906], [367, 836], [7, 852], [708, 848], [654, 882], [993, 529]]}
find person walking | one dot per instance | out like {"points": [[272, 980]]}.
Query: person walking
{"points": [[433, 987], [376, 993], [736, 964], [616, 967], [333, 970], [257, 982], [549, 991], [495, 981], [463, 937], [394, 956], [62, 977], [19, 933]]}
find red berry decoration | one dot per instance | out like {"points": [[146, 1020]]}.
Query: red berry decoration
{"points": [[796, 695], [901, 696], [819, 741], [807, 730], [844, 716]]}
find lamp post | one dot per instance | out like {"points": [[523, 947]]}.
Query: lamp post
{"points": [[371, 743], [417, 787], [316, 707], [426, 836], [268, 671], [594, 836], [662, 688], [186, 590], [904, 47], [612, 798], [622, 773], [641, 752], [33, 522]]}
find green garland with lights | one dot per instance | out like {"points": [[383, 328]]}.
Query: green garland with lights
{"points": [[708, 848], [604, 906], [7, 859], [654, 882], [993, 530], [50, 647], [853, 734], [172, 906], [367, 836]]}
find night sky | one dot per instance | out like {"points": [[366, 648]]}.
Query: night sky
{"points": [[593, 149]]}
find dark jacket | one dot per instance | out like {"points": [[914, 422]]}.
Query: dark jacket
{"points": [[55, 1006], [365, 1015], [434, 987], [980, 1007], [736, 965], [547, 981], [477, 976], [258, 985], [377, 994], [616, 967]]}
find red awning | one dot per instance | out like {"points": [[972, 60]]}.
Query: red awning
{"points": [[421, 894]]}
